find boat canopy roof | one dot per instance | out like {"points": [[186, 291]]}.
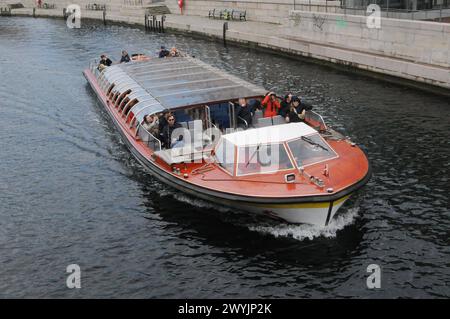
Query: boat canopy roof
{"points": [[183, 81], [269, 134]]}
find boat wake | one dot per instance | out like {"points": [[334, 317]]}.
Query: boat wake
{"points": [[301, 232]]}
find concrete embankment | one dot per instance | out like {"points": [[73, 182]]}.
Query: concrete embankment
{"points": [[415, 51]]}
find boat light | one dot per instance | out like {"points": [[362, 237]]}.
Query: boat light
{"points": [[289, 178], [330, 190]]}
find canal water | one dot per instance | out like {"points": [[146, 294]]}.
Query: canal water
{"points": [[71, 193]]}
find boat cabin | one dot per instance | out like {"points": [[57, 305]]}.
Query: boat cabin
{"points": [[271, 149]]}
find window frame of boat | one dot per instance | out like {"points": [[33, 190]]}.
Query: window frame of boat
{"points": [[119, 83], [109, 77], [293, 166], [121, 97], [133, 95], [140, 97], [120, 89], [135, 100], [146, 107], [314, 163]]}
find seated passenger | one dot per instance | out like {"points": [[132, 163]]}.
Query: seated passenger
{"points": [[244, 113], [296, 111], [163, 119], [151, 124], [125, 57], [174, 53], [163, 52], [271, 105], [169, 141], [285, 105], [104, 62]]}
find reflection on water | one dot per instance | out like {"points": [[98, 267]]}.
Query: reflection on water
{"points": [[70, 191]]}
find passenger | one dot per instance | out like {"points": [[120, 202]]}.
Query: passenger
{"points": [[163, 52], [245, 114], [151, 124], [163, 119], [125, 57], [285, 105], [168, 140], [271, 105], [104, 62], [174, 53], [296, 111]]}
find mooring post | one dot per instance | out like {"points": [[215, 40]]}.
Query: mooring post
{"points": [[104, 15], [145, 22], [34, 12], [153, 23], [225, 28], [163, 17]]}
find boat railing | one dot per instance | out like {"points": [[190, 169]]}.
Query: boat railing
{"points": [[93, 66], [316, 121], [149, 139]]}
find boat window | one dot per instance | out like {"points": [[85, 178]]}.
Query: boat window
{"points": [[129, 106], [310, 149], [224, 154], [120, 99], [262, 159], [110, 88]]}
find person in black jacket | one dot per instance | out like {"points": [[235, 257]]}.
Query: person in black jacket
{"points": [[104, 62], [285, 105], [163, 52], [245, 114], [296, 111], [168, 140], [125, 57]]}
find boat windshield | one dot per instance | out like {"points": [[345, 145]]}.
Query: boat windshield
{"points": [[261, 159], [310, 149]]}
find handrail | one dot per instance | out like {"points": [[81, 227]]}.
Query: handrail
{"points": [[311, 117], [150, 135]]}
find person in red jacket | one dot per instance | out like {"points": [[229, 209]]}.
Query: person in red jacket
{"points": [[271, 105]]}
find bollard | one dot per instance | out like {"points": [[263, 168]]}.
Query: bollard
{"points": [[34, 12], [162, 22], [104, 16], [225, 28], [146, 22], [153, 23]]}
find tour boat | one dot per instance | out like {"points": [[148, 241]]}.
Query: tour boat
{"points": [[296, 172]]}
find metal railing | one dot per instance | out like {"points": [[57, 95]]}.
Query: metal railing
{"points": [[133, 2], [150, 140], [315, 120]]}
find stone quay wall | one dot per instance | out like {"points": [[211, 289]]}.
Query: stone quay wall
{"points": [[417, 51]]}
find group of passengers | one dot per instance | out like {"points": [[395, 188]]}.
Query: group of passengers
{"points": [[291, 108], [161, 126], [125, 57], [164, 53], [105, 61]]}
